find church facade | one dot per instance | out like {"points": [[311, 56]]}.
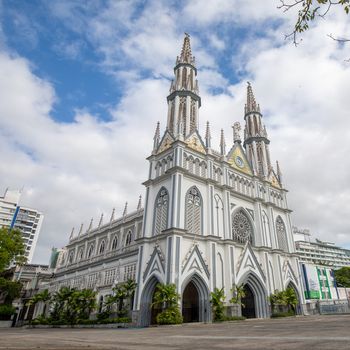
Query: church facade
{"points": [[211, 219]]}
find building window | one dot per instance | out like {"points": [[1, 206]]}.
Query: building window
{"points": [[90, 251], [161, 211], [242, 230], [193, 211], [115, 243], [281, 234], [71, 257], [102, 247], [130, 272], [128, 239], [81, 254]]}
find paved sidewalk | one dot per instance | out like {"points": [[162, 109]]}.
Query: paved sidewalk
{"points": [[312, 332]]}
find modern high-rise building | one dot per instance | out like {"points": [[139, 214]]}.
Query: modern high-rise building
{"points": [[27, 220]]}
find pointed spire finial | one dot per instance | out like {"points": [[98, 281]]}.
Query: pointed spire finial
{"points": [[71, 234], [208, 136], [90, 226], [112, 216], [156, 137], [251, 105], [101, 221], [80, 230], [139, 204], [279, 173], [186, 52], [125, 212], [236, 135], [222, 143]]}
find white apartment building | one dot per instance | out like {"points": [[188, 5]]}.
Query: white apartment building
{"points": [[27, 220]]}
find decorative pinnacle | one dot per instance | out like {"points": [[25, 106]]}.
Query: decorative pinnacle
{"points": [[90, 226], [112, 216], [222, 143], [139, 204], [125, 209], [101, 221], [156, 137], [71, 234], [80, 230], [208, 136], [251, 105], [186, 53], [236, 135], [279, 173]]}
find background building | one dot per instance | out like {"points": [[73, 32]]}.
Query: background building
{"points": [[318, 260], [27, 220]]}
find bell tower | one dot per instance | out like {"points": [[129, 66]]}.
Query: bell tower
{"points": [[256, 141], [184, 100]]}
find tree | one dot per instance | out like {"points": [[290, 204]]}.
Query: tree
{"points": [[342, 277], [286, 298], [167, 299], [217, 301], [309, 10], [129, 287], [43, 296], [238, 293], [12, 248]]}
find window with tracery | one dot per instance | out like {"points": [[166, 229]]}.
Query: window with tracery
{"points": [[90, 251], [193, 211], [71, 257], [161, 211], [128, 239], [115, 243], [281, 234], [242, 230], [102, 247], [81, 254]]}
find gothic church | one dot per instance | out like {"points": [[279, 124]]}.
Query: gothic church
{"points": [[210, 219]]}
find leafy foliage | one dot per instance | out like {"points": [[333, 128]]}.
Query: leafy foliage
{"points": [[308, 10], [9, 290], [12, 248], [286, 298], [238, 293], [342, 277], [6, 311], [167, 299], [217, 301]]}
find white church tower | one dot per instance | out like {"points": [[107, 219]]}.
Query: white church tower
{"points": [[212, 218]]}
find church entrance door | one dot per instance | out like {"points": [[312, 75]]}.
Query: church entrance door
{"points": [[248, 301], [155, 309], [190, 303]]}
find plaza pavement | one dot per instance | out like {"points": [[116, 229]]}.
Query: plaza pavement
{"points": [[307, 332]]}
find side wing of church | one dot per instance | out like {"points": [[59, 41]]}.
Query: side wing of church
{"points": [[211, 219]]}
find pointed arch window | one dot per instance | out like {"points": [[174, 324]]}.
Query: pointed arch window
{"points": [[242, 230], [81, 254], [102, 247], [128, 239], [71, 257], [90, 251], [161, 211], [281, 234], [115, 243], [193, 211]]}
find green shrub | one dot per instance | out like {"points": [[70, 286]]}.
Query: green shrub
{"points": [[7, 310], [283, 314], [234, 318], [170, 316]]}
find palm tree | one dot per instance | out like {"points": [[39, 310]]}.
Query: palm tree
{"points": [[166, 296], [291, 299], [238, 293], [43, 296], [130, 287], [120, 294], [217, 301]]}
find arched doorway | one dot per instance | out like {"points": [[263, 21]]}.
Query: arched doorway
{"points": [[190, 303], [248, 303], [195, 299], [155, 309], [297, 309], [148, 312]]}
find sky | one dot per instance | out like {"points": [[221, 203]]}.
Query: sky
{"points": [[83, 84]]}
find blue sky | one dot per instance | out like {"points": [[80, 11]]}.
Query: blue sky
{"points": [[84, 83]]}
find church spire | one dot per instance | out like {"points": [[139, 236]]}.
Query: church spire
{"points": [[255, 136], [156, 138], [101, 221], [183, 100], [279, 173], [139, 204], [222, 143], [208, 136]]}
